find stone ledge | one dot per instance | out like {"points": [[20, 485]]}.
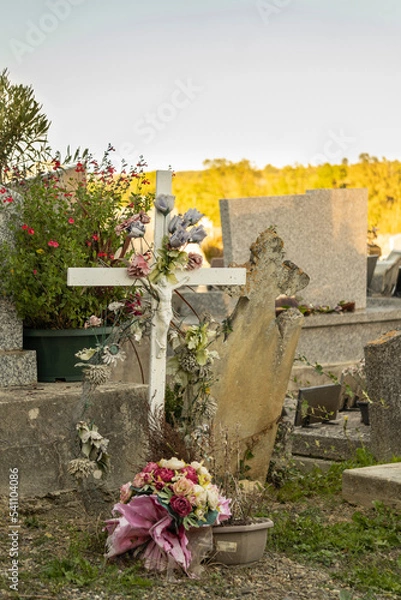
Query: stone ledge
{"points": [[38, 436], [380, 483]]}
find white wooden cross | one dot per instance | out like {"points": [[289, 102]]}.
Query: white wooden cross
{"points": [[85, 277]]}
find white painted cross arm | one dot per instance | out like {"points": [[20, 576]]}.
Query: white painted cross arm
{"points": [[82, 277]]}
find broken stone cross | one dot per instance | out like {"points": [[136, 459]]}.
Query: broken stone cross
{"points": [[119, 277], [257, 357]]}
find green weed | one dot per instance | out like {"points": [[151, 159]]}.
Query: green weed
{"points": [[366, 549]]}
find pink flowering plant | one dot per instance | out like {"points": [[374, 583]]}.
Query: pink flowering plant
{"points": [[61, 218], [160, 507]]}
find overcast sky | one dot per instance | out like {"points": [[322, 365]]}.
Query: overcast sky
{"points": [[273, 81]]}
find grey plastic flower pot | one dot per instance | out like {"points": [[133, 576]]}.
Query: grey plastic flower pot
{"points": [[240, 544]]}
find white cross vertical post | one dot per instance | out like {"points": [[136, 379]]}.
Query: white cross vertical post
{"points": [[157, 365], [119, 277]]}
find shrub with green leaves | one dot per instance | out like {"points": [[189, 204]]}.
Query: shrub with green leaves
{"points": [[66, 219]]}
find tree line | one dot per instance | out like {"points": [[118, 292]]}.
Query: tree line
{"points": [[222, 178]]}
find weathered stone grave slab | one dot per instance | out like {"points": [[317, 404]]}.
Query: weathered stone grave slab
{"points": [[256, 358], [380, 483], [383, 382], [324, 233]]}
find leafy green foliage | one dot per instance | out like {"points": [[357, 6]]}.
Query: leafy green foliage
{"points": [[66, 219], [23, 127]]}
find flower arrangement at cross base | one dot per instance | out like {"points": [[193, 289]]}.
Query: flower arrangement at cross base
{"points": [[162, 512]]}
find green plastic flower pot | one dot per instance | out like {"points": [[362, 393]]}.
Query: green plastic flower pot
{"points": [[56, 349]]}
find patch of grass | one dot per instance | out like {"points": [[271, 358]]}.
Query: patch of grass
{"points": [[32, 522], [300, 485], [83, 566], [366, 549]]}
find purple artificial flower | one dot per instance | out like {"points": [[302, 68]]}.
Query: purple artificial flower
{"points": [[192, 216], [175, 223], [136, 230], [197, 234], [179, 238], [164, 203]]}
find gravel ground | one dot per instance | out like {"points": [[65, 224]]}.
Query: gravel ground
{"points": [[49, 533]]}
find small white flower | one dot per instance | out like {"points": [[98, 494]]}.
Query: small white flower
{"points": [[115, 306], [136, 331]]}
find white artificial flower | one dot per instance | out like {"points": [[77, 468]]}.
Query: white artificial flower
{"points": [[115, 306], [136, 331], [200, 513], [112, 354], [213, 497], [200, 495], [86, 353], [173, 463]]}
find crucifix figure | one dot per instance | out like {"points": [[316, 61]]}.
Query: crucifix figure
{"points": [[85, 277]]}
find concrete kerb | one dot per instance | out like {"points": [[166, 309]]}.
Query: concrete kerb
{"points": [[380, 483]]}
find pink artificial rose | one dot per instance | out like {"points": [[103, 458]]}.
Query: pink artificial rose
{"points": [[139, 480], [164, 474], [183, 487], [151, 466], [194, 261], [139, 267], [148, 477], [191, 474], [124, 225], [143, 217], [224, 510], [125, 493], [93, 321], [181, 505]]}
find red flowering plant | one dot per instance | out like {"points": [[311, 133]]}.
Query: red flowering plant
{"points": [[159, 510], [62, 218]]}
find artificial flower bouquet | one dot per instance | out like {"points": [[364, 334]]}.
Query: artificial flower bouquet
{"points": [[161, 513]]}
